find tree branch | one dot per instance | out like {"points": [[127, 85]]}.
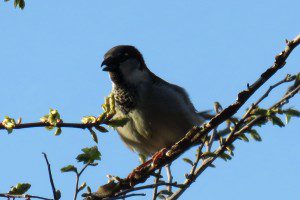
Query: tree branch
{"points": [[50, 177], [155, 182], [45, 124], [23, 196], [78, 174], [194, 136], [231, 138], [150, 186]]}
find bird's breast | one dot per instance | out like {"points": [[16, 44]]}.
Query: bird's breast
{"points": [[126, 98], [157, 119]]}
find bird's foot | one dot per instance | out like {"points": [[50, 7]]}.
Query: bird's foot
{"points": [[153, 161], [158, 155], [137, 171]]}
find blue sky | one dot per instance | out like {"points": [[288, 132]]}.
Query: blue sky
{"points": [[50, 57]]}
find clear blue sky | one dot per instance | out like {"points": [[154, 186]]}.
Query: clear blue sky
{"points": [[50, 56]]}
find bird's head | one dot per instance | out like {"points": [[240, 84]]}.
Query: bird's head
{"points": [[125, 63]]}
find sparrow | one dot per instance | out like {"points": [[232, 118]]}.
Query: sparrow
{"points": [[159, 113]]}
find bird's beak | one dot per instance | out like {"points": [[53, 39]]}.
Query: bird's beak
{"points": [[107, 63]]}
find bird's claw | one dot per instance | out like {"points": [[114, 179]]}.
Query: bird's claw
{"points": [[157, 156], [153, 161]]}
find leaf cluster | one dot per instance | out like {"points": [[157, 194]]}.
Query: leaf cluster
{"points": [[18, 3]]}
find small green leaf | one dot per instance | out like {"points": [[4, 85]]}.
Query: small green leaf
{"points": [[16, 3], [69, 168], [58, 131], [287, 118], [276, 120], [52, 118], [22, 4], [9, 124], [94, 135], [231, 147], [187, 160], [212, 165], [292, 112], [88, 120], [229, 150], [242, 136], [89, 155], [261, 122], [19, 189], [254, 135], [225, 156], [88, 189], [101, 129]]}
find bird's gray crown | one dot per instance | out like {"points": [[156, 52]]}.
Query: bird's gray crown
{"points": [[119, 54]]}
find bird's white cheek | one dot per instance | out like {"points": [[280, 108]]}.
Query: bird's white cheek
{"points": [[132, 73], [137, 76], [113, 86]]}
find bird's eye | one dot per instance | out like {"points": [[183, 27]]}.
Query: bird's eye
{"points": [[123, 57]]}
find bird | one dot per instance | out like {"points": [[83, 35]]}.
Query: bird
{"points": [[159, 113]]}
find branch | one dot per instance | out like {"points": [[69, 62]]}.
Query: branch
{"points": [[53, 119], [194, 136], [51, 179], [126, 196], [43, 124], [155, 182], [23, 196], [150, 186], [169, 176], [77, 179], [231, 138]]}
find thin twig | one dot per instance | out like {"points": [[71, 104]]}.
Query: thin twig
{"points": [[156, 180], [50, 177], [150, 186], [45, 124], [221, 149], [287, 79], [78, 174], [218, 108], [126, 196], [276, 105], [23, 196], [197, 159], [169, 176]]}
